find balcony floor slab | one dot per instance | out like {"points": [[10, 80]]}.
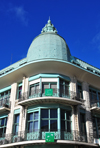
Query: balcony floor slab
{"points": [[4, 109], [45, 100], [25, 143]]}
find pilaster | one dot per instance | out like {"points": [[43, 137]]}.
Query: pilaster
{"points": [[23, 109], [75, 110], [11, 114], [73, 84], [89, 124]]}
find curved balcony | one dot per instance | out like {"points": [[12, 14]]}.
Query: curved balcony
{"points": [[41, 137], [50, 96], [5, 103]]}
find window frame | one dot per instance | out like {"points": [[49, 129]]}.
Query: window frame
{"points": [[83, 123], [80, 90], [64, 85], [18, 90], [28, 121], [34, 94], [4, 126], [96, 126], [66, 120], [49, 119], [16, 124]]}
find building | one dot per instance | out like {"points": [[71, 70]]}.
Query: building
{"points": [[50, 98]]}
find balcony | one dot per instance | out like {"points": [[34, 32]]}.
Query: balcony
{"points": [[39, 137], [5, 103], [50, 96], [95, 105]]}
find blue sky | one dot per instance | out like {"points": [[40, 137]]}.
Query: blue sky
{"points": [[77, 21]]}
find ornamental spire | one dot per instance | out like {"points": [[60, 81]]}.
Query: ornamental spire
{"points": [[49, 27]]}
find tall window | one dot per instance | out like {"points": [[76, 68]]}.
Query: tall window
{"points": [[93, 94], [5, 94], [4, 97], [82, 123], [49, 85], [66, 120], [3, 124], [94, 97], [79, 88], [19, 91], [33, 120], [49, 119], [64, 88], [96, 127], [16, 124], [34, 89]]}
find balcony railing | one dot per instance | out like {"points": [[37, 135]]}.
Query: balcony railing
{"points": [[95, 103], [5, 101], [50, 93], [40, 135]]}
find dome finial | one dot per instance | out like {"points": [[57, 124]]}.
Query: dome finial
{"points": [[49, 27], [49, 21], [49, 17]]}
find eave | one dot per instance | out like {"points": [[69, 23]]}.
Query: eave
{"points": [[49, 66]]}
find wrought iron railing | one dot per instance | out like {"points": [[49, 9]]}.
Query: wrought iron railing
{"points": [[54, 93], [40, 135], [5, 101], [95, 103]]}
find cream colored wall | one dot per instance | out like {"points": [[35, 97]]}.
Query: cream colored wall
{"points": [[23, 110]]}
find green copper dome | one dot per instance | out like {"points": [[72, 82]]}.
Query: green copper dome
{"points": [[48, 45]]}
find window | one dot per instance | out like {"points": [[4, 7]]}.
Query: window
{"points": [[66, 120], [49, 85], [93, 94], [34, 90], [64, 88], [49, 119], [3, 124], [19, 91], [33, 120], [82, 123], [96, 127], [5, 94], [79, 89], [16, 124], [4, 97], [94, 97]]}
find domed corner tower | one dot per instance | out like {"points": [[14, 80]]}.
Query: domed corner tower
{"points": [[48, 46]]}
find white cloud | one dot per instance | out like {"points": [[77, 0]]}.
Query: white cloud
{"points": [[96, 41], [13, 12], [18, 13]]}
